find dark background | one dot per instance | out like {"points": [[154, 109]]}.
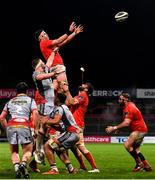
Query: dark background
{"points": [[113, 54]]}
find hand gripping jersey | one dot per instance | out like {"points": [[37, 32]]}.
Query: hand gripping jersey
{"points": [[67, 122]]}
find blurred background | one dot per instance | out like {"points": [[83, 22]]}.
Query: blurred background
{"points": [[115, 56]]}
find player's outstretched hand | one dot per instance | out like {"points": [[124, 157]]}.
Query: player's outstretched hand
{"points": [[72, 26], [79, 29]]}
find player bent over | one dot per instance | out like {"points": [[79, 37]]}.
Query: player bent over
{"points": [[17, 128], [63, 119]]}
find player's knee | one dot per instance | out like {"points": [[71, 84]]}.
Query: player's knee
{"points": [[15, 158], [83, 149], [53, 144], [27, 156], [127, 145]]}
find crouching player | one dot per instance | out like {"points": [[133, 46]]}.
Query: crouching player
{"points": [[132, 117], [62, 118]]}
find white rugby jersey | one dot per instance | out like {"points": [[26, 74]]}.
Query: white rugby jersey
{"points": [[67, 117], [20, 107], [45, 87]]}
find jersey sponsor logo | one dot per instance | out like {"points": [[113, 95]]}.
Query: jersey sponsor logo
{"points": [[19, 102], [125, 114], [80, 98]]}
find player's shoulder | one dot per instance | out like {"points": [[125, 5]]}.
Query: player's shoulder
{"points": [[81, 97], [131, 106], [83, 94]]}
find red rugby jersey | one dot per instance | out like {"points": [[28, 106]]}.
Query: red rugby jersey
{"points": [[137, 122], [46, 49], [79, 110]]}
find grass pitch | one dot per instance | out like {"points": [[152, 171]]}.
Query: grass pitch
{"points": [[112, 160]]}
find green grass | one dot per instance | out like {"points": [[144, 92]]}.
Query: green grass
{"points": [[112, 160]]}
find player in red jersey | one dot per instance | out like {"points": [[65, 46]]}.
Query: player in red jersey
{"points": [[79, 105], [47, 45], [133, 118]]}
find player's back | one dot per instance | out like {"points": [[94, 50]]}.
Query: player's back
{"points": [[20, 107]]}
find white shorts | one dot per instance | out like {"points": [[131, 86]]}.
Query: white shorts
{"points": [[19, 135], [58, 68], [68, 139]]}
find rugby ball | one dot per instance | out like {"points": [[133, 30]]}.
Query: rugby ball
{"points": [[121, 16]]}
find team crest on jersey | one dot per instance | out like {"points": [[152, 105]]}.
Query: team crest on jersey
{"points": [[80, 98], [125, 114], [56, 112]]}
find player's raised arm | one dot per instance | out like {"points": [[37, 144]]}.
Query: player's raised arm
{"points": [[63, 38], [51, 57], [77, 30]]}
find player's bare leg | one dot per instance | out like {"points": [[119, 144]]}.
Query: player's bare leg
{"points": [[49, 152], [27, 153], [65, 159], [60, 83], [15, 159], [87, 154], [39, 152], [79, 157], [129, 147], [33, 163], [147, 166]]}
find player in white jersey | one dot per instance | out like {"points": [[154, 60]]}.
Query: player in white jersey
{"points": [[43, 81], [62, 119], [18, 131], [44, 99]]}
